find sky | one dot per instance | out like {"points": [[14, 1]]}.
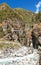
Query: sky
{"points": [[32, 5]]}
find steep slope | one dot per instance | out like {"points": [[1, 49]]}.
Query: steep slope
{"points": [[18, 13], [17, 24], [15, 16]]}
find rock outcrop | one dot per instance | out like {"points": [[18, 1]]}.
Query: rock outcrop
{"points": [[19, 24], [25, 36], [23, 56], [36, 34]]}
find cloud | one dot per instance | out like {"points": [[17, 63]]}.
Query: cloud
{"points": [[38, 6]]}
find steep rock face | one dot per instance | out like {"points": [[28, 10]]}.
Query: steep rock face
{"points": [[14, 32], [16, 24], [36, 34]]}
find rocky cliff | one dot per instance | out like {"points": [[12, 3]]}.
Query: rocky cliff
{"points": [[20, 25]]}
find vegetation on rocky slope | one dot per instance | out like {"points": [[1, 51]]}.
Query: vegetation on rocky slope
{"points": [[18, 13], [17, 19]]}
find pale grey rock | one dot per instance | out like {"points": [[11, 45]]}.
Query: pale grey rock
{"points": [[23, 56]]}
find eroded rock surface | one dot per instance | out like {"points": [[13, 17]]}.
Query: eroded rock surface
{"points": [[23, 56]]}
